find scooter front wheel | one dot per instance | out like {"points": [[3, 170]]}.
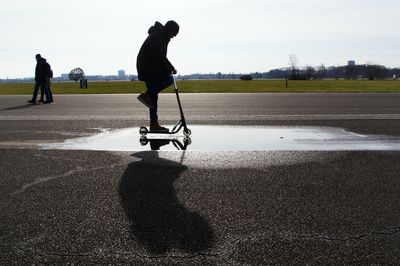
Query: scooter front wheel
{"points": [[187, 132], [187, 141]]}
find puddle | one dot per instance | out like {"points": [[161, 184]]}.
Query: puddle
{"points": [[232, 138]]}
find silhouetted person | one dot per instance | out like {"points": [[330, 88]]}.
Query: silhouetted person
{"points": [[154, 68], [48, 81], [42, 73]]}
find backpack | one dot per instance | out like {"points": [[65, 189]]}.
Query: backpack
{"points": [[49, 71]]}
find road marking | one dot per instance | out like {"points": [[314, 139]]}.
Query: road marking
{"points": [[205, 117]]}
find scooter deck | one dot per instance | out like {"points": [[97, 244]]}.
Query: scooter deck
{"points": [[144, 131]]}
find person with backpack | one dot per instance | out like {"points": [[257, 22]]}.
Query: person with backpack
{"points": [[42, 75], [155, 69], [48, 83]]}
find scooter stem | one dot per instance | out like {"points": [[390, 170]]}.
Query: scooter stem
{"points": [[179, 103]]}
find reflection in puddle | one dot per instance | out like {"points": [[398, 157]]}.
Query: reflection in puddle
{"points": [[156, 143], [233, 138]]}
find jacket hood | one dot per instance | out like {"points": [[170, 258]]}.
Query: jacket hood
{"points": [[42, 60], [156, 28]]}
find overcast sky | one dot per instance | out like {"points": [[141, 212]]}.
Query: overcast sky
{"points": [[239, 36]]}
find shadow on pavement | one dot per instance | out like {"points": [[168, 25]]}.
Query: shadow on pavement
{"points": [[24, 106], [159, 221]]}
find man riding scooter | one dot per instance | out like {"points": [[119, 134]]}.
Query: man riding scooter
{"points": [[155, 69]]}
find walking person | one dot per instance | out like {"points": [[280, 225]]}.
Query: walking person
{"points": [[155, 69], [42, 72], [48, 83]]}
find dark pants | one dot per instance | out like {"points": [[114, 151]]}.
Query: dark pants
{"points": [[153, 89], [43, 88], [49, 89]]}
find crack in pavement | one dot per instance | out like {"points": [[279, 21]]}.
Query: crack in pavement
{"points": [[60, 158], [66, 174]]}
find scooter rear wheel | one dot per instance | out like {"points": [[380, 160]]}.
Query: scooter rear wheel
{"points": [[143, 140], [143, 131]]}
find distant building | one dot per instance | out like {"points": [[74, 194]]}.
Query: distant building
{"points": [[351, 63], [121, 74]]}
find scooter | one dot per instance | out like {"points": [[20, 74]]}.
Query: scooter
{"points": [[155, 144], [181, 123]]}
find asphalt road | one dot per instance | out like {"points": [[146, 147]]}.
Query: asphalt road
{"points": [[204, 208]]}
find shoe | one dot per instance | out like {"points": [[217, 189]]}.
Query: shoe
{"points": [[145, 99], [155, 127], [47, 102], [32, 102], [41, 100]]}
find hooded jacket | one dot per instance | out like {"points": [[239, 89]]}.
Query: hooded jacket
{"points": [[152, 63], [42, 70]]}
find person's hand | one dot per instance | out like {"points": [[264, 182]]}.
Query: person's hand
{"points": [[174, 71]]}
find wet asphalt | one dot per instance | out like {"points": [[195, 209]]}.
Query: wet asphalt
{"points": [[193, 207]]}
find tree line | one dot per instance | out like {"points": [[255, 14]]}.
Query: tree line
{"points": [[370, 72], [294, 72]]}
